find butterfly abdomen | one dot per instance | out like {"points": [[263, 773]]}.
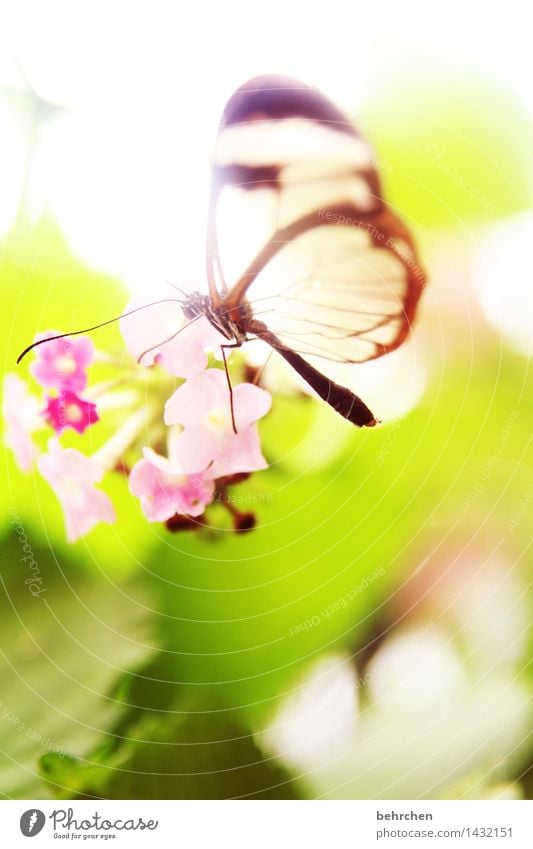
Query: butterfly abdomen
{"points": [[342, 399]]}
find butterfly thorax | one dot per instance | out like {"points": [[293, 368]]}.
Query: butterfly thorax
{"points": [[231, 322], [235, 319]]}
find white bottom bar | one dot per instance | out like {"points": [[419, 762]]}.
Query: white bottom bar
{"points": [[269, 825]]}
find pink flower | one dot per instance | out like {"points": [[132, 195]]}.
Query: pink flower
{"points": [[73, 476], [68, 410], [202, 407], [165, 490], [21, 413], [182, 356], [61, 364]]}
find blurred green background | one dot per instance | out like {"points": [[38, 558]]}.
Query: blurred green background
{"points": [[371, 637]]}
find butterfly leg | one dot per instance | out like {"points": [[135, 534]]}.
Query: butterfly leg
{"points": [[230, 387]]}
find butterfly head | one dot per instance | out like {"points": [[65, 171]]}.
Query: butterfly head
{"points": [[194, 305]]}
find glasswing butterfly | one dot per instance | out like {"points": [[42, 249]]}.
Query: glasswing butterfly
{"points": [[322, 269]]}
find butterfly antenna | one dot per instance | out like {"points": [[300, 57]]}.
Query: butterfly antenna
{"points": [[94, 327], [177, 288]]}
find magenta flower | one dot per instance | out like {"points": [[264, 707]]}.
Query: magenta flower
{"points": [[165, 490], [61, 364], [145, 331], [202, 407], [21, 414], [73, 476], [68, 410]]}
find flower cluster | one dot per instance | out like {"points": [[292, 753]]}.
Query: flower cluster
{"points": [[177, 439]]}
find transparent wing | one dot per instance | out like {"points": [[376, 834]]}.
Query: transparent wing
{"points": [[282, 151], [299, 228]]}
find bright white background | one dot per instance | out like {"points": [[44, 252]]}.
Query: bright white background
{"points": [[125, 170]]}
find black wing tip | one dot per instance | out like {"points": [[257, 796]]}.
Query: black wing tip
{"points": [[273, 82], [277, 97]]}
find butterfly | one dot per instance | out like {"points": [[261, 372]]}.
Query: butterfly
{"points": [[302, 250]]}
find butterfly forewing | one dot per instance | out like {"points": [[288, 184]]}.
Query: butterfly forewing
{"points": [[339, 286], [283, 151]]}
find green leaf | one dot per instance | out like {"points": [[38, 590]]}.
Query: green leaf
{"points": [[169, 745], [62, 649]]}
